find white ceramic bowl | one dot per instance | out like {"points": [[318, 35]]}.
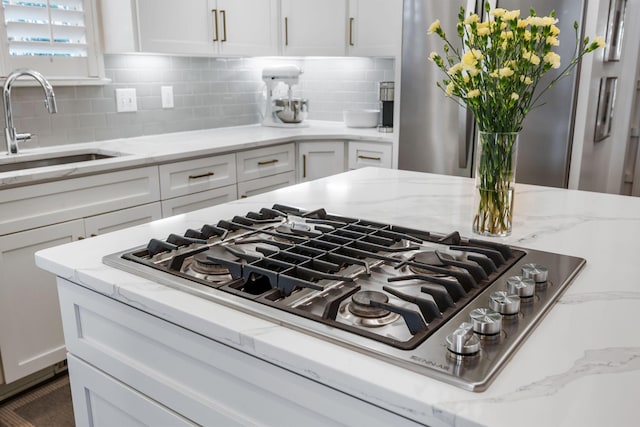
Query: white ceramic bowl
{"points": [[361, 118]]}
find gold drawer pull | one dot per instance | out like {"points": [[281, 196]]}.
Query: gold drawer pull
{"points": [[215, 23], [377, 159], [224, 25], [204, 175], [286, 31], [268, 162], [351, 32]]}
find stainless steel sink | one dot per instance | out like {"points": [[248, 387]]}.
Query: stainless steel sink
{"points": [[52, 159]]}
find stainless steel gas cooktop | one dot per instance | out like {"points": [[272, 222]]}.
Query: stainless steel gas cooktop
{"points": [[442, 305]]}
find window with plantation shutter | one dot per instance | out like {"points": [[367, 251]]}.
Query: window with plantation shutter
{"points": [[55, 37]]}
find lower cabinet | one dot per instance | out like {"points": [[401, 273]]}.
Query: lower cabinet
{"points": [[317, 159], [31, 336], [364, 153], [269, 183], [204, 199], [100, 400], [148, 370], [30, 328]]}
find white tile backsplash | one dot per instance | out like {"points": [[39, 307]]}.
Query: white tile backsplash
{"points": [[208, 93]]}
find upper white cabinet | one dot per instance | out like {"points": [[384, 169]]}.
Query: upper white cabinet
{"points": [[375, 27], [253, 27], [193, 27], [247, 27], [312, 27], [59, 38]]}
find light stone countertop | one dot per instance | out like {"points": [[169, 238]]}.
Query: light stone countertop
{"points": [[579, 367], [171, 147]]}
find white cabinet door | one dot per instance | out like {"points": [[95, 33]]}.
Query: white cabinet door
{"points": [[247, 27], [375, 27], [364, 153], [205, 27], [312, 27], [184, 27], [112, 221], [30, 327], [318, 159]]}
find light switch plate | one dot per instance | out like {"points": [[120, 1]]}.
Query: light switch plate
{"points": [[126, 100], [166, 92]]}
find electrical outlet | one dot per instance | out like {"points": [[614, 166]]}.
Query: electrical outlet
{"points": [[166, 93], [126, 100]]}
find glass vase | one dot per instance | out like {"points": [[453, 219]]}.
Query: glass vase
{"points": [[495, 177]]}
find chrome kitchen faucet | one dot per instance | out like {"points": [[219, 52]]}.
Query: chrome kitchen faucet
{"points": [[11, 136]]}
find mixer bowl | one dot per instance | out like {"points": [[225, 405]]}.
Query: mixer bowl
{"points": [[292, 110]]}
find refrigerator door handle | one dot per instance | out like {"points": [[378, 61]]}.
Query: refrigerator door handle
{"points": [[465, 124]]}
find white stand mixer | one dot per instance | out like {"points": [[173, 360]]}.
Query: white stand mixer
{"points": [[283, 112]]}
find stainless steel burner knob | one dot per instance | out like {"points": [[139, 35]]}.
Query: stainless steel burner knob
{"points": [[523, 287], [486, 321], [463, 341], [504, 303], [536, 272]]}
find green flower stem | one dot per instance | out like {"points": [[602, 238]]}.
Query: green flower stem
{"points": [[495, 180]]}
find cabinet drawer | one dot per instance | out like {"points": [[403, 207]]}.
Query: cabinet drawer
{"points": [[362, 154], [98, 397], [197, 201], [266, 161], [118, 220], [192, 176], [34, 206], [257, 186]]}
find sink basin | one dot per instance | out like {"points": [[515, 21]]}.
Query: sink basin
{"points": [[30, 162]]}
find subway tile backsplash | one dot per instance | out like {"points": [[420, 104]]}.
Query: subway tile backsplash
{"points": [[208, 93]]}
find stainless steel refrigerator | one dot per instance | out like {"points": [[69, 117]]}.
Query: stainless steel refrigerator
{"points": [[436, 135]]}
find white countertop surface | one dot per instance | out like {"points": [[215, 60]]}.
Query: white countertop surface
{"points": [[171, 147], [580, 367]]}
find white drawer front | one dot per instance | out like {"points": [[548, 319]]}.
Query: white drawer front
{"points": [[270, 183], [100, 400], [261, 162], [192, 176], [34, 206], [197, 201], [362, 154]]}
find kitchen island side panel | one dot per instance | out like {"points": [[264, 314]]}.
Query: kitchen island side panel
{"points": [[193, 377]]}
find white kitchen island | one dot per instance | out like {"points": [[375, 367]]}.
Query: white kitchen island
{"points": [[141, 352]]}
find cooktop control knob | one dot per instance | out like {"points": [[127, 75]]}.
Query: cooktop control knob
{"points": [[486, 321], [463, 341], [504, 303], [536, 272], [518, 285]]}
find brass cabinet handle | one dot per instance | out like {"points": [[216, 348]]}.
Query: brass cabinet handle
{"points": [[369, 158], [286, 31], [304, 165], [224, 25], [204, 175], [215, 23], [351, 31], [268, 162]]}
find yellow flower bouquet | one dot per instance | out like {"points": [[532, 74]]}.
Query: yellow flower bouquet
{"points": [[495, 75]]}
